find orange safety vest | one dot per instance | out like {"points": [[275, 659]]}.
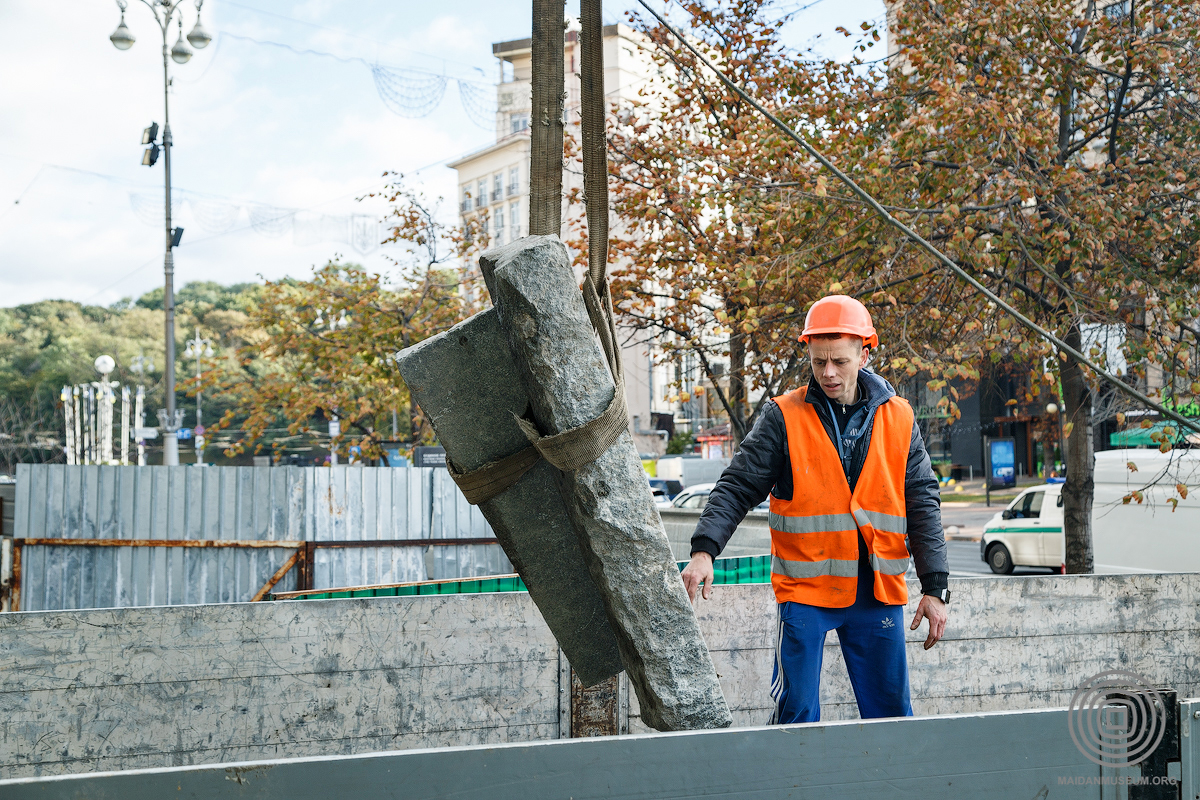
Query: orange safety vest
{"points": [[814, 536]]}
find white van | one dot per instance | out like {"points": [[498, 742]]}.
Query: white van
{"points": [[1136, 537], [689, 470], [1029, 533]]}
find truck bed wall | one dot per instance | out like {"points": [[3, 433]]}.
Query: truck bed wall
{"points": [[147, 687]]}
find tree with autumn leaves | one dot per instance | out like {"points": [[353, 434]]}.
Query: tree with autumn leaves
{"points": [[1052, 149], [322, 349]]}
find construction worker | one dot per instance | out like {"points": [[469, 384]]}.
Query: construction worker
{"points": [[849, 479]]}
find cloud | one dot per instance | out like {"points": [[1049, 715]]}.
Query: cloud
{"points": [[252, 125]]}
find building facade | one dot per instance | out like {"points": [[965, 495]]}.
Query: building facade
{"points": [[493, 201]]}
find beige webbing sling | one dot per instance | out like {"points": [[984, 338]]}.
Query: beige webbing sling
{"points": [[575, 447]]}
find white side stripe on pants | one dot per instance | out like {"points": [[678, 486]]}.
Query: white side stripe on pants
{"points": [[777, 683]]}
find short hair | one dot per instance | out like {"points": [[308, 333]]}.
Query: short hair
{"points": [[833, 336]]}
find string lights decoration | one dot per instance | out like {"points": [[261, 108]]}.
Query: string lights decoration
{"points": [[363, 232], [406, 92]]}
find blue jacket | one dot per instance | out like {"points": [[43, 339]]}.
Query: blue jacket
{"points": [[762, 466]]}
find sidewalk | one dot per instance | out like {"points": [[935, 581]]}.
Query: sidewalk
{"points": [[974, 492]]}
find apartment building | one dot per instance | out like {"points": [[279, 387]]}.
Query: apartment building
{"points": [[493, 186]]}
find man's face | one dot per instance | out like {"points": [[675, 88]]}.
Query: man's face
{"points": [[835, 363]]}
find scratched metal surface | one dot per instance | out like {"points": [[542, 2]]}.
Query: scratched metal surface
{"points": [[931, 758], [234, 503], [140, 688]]}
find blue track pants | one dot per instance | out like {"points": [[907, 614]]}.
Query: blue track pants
{"points": [[872, 638]]}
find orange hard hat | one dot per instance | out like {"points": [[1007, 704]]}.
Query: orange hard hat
{"points": [[839, 313]]}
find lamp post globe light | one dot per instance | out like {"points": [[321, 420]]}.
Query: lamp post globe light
{"points": [[165, 12], [195, 349], [1052, 409]]}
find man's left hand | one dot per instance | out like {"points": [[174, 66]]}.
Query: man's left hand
{"points": [[934, 610]]}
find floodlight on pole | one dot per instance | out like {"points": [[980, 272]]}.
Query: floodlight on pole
{"points": [[150, 134]]}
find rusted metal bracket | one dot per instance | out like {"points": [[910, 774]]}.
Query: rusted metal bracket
{"points": [[595, 710], [278, 576], [304, 555]]}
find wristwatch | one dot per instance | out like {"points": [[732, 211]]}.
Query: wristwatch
{"points": [[941, 594]]}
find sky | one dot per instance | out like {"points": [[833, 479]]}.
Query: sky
{"points": [[275, 149]]}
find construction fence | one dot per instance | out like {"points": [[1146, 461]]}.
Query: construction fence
{"points": [[120, 536]]}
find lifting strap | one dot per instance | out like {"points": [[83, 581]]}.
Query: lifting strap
{"points": [[576, 447]]}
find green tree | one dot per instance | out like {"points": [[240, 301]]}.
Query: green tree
{"points": [[319, 348], [53, 343]]}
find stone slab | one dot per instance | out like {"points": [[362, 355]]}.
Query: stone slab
{"points": [[465, 382], [554, 348]]}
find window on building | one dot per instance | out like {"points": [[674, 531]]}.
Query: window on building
{"points": [[497, 187], [466, 199], [500, 226], [481, 193], [483, 224], [1119, 10], [514, 218], [519, 122], [514, 181]]}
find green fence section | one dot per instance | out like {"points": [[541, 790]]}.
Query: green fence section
{"points": [[747, 569]]}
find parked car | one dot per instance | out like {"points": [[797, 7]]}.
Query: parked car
{"points": [[1028, 533], [1153, 535], [693, 496], [670, 488]]}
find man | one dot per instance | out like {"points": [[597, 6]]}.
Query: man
{"points": [[849, 478]]}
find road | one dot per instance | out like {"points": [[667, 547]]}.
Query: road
{"points": [[965, 562], [969, 518], [964, 525]]}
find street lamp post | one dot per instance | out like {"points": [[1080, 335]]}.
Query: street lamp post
{"points": [[1053, 410], [123, 39], [140, 365], [198, 347], [333, 323]]}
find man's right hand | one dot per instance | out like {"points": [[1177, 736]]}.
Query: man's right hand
{"points": [[698, 574]]}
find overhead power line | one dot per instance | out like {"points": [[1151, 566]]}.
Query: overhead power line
{"points": [[941, 257]]}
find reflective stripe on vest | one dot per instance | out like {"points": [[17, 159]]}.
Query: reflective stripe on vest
{"points": [[841, 567], [814, 535], [881, 521], [813, 524]]}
